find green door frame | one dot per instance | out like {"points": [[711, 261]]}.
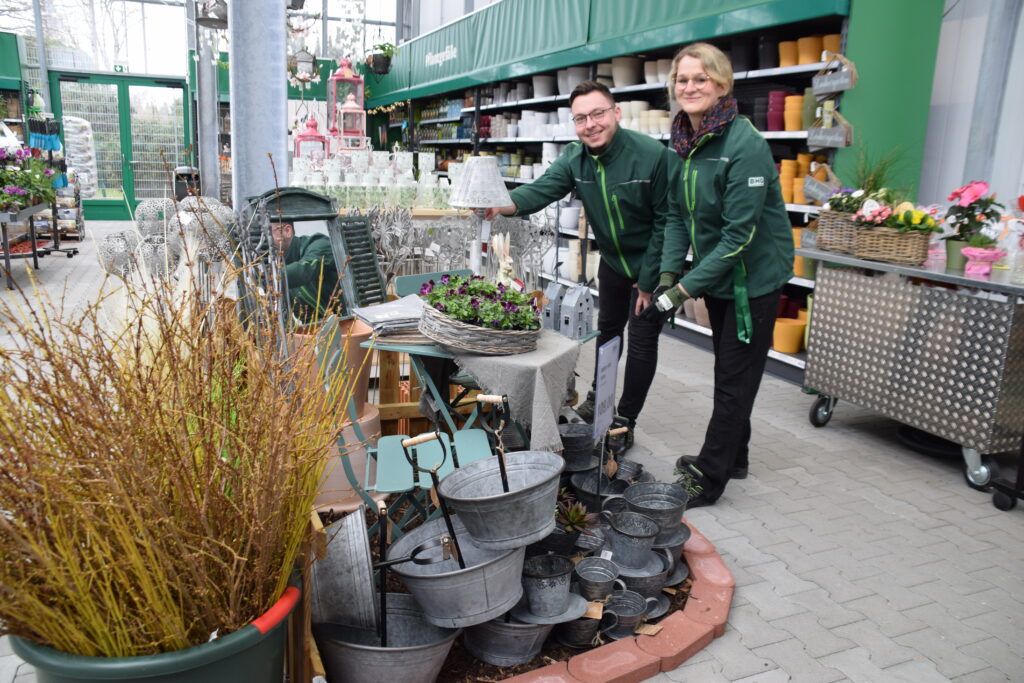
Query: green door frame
{"points": [[118, 209]]}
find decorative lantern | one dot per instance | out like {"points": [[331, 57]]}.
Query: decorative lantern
{"points": [[343, 82], [304, 63], [353, 126], [310, 143]]}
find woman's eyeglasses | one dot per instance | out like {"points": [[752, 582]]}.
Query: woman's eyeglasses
{"points": [[699, 82]]}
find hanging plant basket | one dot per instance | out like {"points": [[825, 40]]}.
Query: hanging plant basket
{"points": [[379, 64]]}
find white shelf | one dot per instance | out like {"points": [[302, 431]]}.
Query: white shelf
{"points": [[641, 87], [784, 134], [803, 208], [460, 141], [801, 282], [395, 125], [518, 181], [519, 103], [779, 71], [575, 233], [788, 359], [449, 119], [552, 138]]}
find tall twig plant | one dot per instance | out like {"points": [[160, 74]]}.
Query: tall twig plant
{"points": [[156, 478]]}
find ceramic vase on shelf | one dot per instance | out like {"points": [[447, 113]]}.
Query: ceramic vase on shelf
{"points": [[955, 260]]}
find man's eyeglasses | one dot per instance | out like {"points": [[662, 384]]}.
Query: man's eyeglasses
{"points": [[596, 116], [699, 82]]}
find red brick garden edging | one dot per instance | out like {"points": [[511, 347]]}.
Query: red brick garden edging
{"points": [[683, 633]]}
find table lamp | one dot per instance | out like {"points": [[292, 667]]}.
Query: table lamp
{"points": [[479, 185]]}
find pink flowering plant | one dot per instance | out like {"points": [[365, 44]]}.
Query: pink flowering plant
{"points": [[973, 208], [476, 301], [873, 214], [23, 180]]}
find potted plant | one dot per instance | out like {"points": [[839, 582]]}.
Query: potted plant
{"points": [[24, 180], [571, 520], [981, 252], [474, 314], [973, 209], [157, 484], [378, 61]]}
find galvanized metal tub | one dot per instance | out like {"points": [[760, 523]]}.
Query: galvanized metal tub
{"points": [[500, 520], [415, 653], [504, 643], [451, 597], [662, 502]]}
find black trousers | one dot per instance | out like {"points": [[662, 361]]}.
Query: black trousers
{"points": [[738, 370], [616, 301]]}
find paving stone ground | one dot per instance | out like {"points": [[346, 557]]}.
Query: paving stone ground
{"points": [[855, 558]]}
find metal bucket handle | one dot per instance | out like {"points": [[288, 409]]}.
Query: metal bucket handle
{"points": [[424, 438], [503, 409]]}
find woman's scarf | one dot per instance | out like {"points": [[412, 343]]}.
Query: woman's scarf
{"points": [[718, 117]]}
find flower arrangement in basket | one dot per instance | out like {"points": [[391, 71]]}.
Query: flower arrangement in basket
{"points": [[479, 316], [894, 235], [836, 228]]}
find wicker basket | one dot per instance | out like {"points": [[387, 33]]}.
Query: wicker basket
{"points": [[892, 246], [459, 336], [836, 231]]}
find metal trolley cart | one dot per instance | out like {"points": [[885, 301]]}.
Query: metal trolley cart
{"points": [[931, 349]]}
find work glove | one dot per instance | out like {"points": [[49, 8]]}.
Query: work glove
{"points": [[665, 300]]}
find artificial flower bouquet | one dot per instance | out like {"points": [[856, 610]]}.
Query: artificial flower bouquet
{"points": [[844, 200]]}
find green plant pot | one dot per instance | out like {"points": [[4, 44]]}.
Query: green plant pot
{"points": [[254, 653], [955, 260]]}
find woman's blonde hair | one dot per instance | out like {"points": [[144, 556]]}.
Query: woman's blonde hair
{"points": [[716, 65]]}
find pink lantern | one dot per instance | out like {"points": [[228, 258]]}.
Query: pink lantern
{"points": [[343, 82], [353, 126], [310, 143]]}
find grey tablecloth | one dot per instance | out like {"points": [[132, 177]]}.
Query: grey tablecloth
{"points": [[535, 383]]}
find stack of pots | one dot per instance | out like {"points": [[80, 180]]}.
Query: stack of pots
{"points": [[775, 115]]}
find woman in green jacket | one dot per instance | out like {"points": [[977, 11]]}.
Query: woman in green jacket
{"points": [[726, 206]]}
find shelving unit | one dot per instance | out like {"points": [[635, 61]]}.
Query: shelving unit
{"points": [[24, 216]]}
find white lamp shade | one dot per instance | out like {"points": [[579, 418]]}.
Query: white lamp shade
{"points": [[479, 185]]}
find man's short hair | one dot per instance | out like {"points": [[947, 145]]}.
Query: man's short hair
{"points": [[587, 87]]}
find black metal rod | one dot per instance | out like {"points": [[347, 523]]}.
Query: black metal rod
{"points": [[382, 624], [448, 519], [600, 467]]}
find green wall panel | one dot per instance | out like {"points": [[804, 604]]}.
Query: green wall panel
{"points": [[893, 45], [440, 55], [10, 61]]}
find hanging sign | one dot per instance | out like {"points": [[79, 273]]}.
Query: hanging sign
{"points": [[826, 82]]}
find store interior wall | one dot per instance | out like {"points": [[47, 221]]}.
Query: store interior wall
{"points": [[962, 40]]}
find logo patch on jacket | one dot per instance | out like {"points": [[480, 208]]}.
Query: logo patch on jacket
{"points": [[755, 181]]}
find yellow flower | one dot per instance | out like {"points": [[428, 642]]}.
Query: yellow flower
{"points": [[902, 208], [916, 217]]}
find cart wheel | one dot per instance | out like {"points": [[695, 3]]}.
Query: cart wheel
{"points": [[821, 411], [1004, 501], [981, 478]]}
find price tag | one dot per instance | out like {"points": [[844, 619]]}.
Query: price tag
{"points": [[606, 554], [594, 610], [604, 401], [649, 629]]}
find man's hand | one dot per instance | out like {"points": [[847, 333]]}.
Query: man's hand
{"points": [[490, 213], [643, 301], [665, 300]]}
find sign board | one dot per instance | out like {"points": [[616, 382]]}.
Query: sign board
{"points": [[836, 81], [836, 136], [120, 68], [607, 374], [815, 190]]}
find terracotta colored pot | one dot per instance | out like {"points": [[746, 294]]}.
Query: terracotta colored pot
{"points": [[788, 53]]}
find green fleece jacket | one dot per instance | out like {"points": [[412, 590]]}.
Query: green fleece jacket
{"points": [[306, 257], [624, 192], [725, 202]]}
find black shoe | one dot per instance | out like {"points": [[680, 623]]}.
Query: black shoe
{"points": [[699, 501], [620, 443], [684, 460], [586, 409]]}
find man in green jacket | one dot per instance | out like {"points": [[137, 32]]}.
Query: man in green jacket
{"points": [[622, 179], [310, 269]]}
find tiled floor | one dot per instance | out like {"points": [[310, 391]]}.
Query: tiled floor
{"points": [[855, 558]]}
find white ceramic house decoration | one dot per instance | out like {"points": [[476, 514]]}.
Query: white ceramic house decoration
{"points": [[552, 311], [577, 312]]}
